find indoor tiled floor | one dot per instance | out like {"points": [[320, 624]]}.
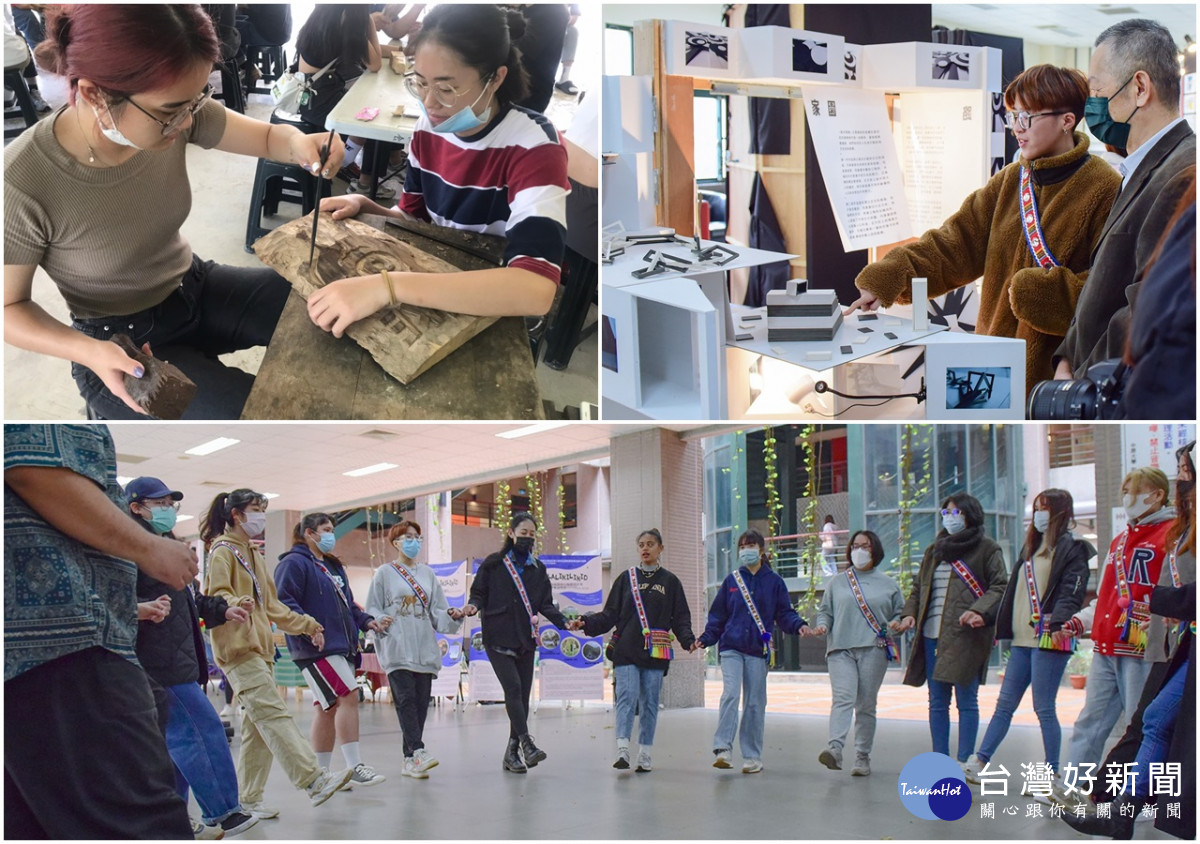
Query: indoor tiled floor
{"points": [[576, 794]]}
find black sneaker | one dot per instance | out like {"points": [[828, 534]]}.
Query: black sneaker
{"points": [[567, 87], [237, 823]]}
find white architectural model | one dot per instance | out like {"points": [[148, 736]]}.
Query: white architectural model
{"points": [[800, 314]]}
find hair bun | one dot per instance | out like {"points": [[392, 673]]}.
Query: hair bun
{"points": [[516, 25]]}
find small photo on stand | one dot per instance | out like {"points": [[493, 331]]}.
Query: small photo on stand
{"points": [[707, 50], [951, 65], [809, 56]]}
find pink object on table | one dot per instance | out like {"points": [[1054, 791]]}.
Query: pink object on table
{"points": [[369, 113]]}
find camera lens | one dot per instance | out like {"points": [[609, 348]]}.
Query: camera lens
{"points": [[1062, 400]]}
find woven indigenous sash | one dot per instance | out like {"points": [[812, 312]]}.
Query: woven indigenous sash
{"points": [[882, 639], [1131, 632], [968, 577], [412, 583], [1031, 220], [512, 572], [1040, 630], [768, 647], [658, 642], [242, 561], [336, 587]]}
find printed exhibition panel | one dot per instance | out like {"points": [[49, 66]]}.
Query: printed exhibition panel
{"points": [[571, 663], [453, 579]]}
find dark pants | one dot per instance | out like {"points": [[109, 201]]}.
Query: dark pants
{"points": [[216, 310], [410, 696], [83, 755], [515, 674], [29, 23]]}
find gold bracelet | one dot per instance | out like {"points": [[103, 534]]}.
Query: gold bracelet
{"points": [[387, 282]]}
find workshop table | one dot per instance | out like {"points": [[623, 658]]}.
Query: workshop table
{"points": [[308, 373], [383, 90]]}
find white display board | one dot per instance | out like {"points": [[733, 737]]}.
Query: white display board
{"points": [[851, 133], [944, 145], [700, 49], [777, 53]]}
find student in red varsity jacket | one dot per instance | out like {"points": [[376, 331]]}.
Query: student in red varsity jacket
{"points": [[476, 163], [1120, 614]]}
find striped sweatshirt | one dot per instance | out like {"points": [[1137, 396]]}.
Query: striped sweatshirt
{"points": [[509, 180]]}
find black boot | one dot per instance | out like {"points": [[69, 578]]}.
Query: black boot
{"points": [[1117, 826], [532, 753], [512, 757]]}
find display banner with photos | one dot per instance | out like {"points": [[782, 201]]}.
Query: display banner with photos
{"points": [[453, 579], [571, 663]]}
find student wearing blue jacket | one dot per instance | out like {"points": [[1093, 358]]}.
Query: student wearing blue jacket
{"points": [[311, 580], [749, 604]]}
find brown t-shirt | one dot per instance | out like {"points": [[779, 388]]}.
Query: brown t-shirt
{"points": [[108, 237]]}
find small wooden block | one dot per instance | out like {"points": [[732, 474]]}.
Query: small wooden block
{"points": [[847, 350], [398, 111], [743, 337], [890, 335], [858, 341], [866, 330], [751, 317], [818, 355], [163, 391], [867, 317]]}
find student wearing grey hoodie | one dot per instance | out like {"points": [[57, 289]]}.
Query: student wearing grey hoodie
{"points": [[407, 598]]}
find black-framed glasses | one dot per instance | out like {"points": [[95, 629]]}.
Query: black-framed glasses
{"points": [[176, 120], [953, 511], [1023, 119], [444, 93]]}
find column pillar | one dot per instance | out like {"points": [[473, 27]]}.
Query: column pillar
{"points": [[656, 481]]}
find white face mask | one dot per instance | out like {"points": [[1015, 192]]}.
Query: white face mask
{"points": [[1041, 520], [861, 557], [1135, 508], [255, 524], [113, 134]]}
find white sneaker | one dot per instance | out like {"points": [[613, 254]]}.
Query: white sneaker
{"points": [[643, 763], [365, 775], [228, 711], [972, 767], [622, 763], [261, 810], [724, 759], [410, 770], [203, 832], [752, 766], [326, 784], [423, 760]]}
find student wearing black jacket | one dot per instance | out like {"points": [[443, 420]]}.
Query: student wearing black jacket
{"points": [[1047, 587], [639, 675], [170, 648], [509, 629]]}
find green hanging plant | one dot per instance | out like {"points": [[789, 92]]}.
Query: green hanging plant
{"points": [[503, 507], [563, 548], [914, 486], [533, 483], [771, 482], [811, 554], [436, 509]]}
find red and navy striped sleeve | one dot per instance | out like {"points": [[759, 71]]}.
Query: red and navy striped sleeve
{"points": [[510, 181]]}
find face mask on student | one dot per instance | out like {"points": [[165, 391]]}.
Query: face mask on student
{"points": [[112, 133], [410, 547], [255, 524], [464, 120], [1041, 520], [523, 544], [860, 557], [1109, 131], [1136, 507], [326, 541], [748, 556], [953, 524], [162, 519]]}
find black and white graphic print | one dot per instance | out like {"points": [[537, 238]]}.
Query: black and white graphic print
{"points": [[850, 65], [997, 164], [706, 49], [951, 65], [810, 56], [998, 111]]}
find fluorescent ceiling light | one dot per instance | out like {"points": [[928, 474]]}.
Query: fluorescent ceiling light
{"points": [[183, 518], [599, 462], [270, 495], [369, 470], [525, 431], [211, 446], [123, 481]]}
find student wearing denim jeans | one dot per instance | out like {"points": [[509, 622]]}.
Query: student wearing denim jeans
{"points": [[1119, 615], [744, 648], [639, 672], [170, 648], [953, 606], [1046, 589], [857, 651]]}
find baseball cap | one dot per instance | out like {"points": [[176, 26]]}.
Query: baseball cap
{"points": [[142, 488]]}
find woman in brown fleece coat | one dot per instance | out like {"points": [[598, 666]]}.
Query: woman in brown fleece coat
{"points": [[986, 236]]}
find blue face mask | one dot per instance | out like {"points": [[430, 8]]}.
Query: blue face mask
{"points": [[326, 541], [953, 524], [410, 547], [465, 120], [1107, 130], [162, 519], [748, 556]]}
